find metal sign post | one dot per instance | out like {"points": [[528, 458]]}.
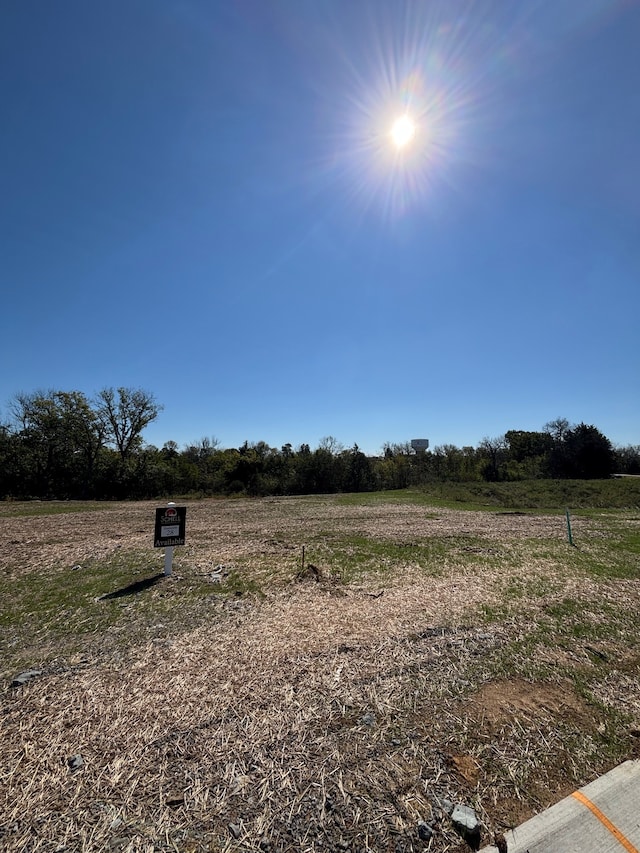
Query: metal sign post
{"points": [[169, 531]]}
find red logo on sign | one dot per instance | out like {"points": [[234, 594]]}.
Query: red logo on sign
{"points": [[170, 511]]}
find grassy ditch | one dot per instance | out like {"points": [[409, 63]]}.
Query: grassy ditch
{"points": [[526, 495]]}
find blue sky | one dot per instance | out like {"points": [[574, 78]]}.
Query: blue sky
{"points": [[203, 199]]}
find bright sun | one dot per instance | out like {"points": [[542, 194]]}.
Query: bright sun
{"points": [[403, 131]]}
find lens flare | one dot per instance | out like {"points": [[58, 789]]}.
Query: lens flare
{"points": [[413, 108], [403, 131]]}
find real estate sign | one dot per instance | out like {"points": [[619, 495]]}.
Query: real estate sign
{"points": [[170, 526]]}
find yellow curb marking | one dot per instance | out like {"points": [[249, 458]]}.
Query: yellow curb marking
{"points": [[604, 820]]}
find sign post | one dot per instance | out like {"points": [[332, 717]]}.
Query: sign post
{"points": [[169, 531]]}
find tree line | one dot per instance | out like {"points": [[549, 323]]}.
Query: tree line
{"points": [[63, 445]]}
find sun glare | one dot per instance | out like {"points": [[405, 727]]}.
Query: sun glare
{"points": [[407, 112], [403, 131]]}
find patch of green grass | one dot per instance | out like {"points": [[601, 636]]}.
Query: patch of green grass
{"points": [[612, 552], [586, 629], [493, 614], [524, 495], [550, 623], [607, 550], [61, 611], [548, 495], [51, 597], [353, 556], [238, 582], [580, 620], [404, 497], [629, 540], [536, 587]]}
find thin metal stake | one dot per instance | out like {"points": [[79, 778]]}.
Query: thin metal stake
{"points": [[569, 528]]}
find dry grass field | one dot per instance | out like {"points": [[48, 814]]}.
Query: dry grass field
{"points": [[253, 703]]}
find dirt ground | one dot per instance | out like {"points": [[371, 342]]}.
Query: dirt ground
{"points": [[315, 715]]}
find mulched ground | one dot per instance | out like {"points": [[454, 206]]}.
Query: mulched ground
{"points": [[317, 717]]}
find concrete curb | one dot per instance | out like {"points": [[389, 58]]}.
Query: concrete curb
{"points": [[604, 816]]}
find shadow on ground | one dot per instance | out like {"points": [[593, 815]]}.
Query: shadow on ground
{"points": [[133, 588]]}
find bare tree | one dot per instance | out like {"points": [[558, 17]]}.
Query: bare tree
{"points": [[330, 445], [557, 428], [125, 413], [494, 451]]}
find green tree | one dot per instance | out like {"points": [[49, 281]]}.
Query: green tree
{"points": [[524, 445], [588, 453], [358, 471], [528, 453], [627, 459], [60, 438], [9, 462]]}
